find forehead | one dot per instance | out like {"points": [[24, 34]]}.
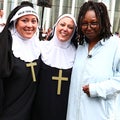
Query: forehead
{"points": [[29, 17], [90, 14], [66, 20]]}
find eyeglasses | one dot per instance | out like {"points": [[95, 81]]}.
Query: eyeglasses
{"points": [[92, 25]]}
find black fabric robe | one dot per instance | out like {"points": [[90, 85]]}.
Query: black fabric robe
{"points": [[19, 91], [50, 105]]}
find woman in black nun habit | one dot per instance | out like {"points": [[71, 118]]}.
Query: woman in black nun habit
{"points": [[57, 58], [19, 54]]}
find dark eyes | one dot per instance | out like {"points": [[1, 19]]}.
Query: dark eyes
{"points": [[92, 24], [32, 21]]}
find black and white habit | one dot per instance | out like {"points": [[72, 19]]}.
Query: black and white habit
{"points": [[57, 59], [19, 67]]}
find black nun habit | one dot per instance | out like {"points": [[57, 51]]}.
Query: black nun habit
{"points": [[17, 80]]}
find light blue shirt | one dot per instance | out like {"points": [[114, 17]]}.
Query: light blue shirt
{"points": [[100, 68]]}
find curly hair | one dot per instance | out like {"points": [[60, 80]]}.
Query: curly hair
{"points": [[101, 14]]}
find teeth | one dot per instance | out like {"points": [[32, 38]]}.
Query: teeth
{"points": [[28, 31], [63, 34]]}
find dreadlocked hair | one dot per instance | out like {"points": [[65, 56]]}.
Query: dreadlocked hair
{"points": [[101, 14], [105, 22]]}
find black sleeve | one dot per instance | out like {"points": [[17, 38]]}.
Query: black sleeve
{"points": [[1, 96]]}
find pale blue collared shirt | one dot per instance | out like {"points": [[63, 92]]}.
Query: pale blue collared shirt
{"points": [[100, 68]]}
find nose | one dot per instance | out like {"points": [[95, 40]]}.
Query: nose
{"points": [[29, 24], [65, 28], [89, 26]]}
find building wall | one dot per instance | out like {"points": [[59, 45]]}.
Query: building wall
{"points": [[65, 6]]}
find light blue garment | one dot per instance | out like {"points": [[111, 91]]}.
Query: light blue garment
{"points": [[102, 72]]}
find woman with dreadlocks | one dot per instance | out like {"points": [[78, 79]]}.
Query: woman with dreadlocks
{"points": [[95, 79]]}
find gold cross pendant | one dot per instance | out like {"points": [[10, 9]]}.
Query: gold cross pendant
{"points": [[32, 64], [59, 79]]}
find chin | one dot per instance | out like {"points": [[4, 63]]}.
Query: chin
{"points": [[28, 37], [62, 40]]}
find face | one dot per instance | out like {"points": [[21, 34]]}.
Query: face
{"points": [[90, 26], [27, 26], [64, 29], [1, 13]]}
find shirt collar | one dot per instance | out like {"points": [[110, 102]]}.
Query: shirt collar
{"points": [[101, 42]]}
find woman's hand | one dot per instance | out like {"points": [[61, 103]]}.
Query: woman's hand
{"points": [[86, 90]]}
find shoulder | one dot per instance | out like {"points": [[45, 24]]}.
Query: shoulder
{"points": [[113, 40]]}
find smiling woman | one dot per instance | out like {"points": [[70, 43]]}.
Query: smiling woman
{"points": [[19, 54], [64, 29], [27, 25], [57, 58]]}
